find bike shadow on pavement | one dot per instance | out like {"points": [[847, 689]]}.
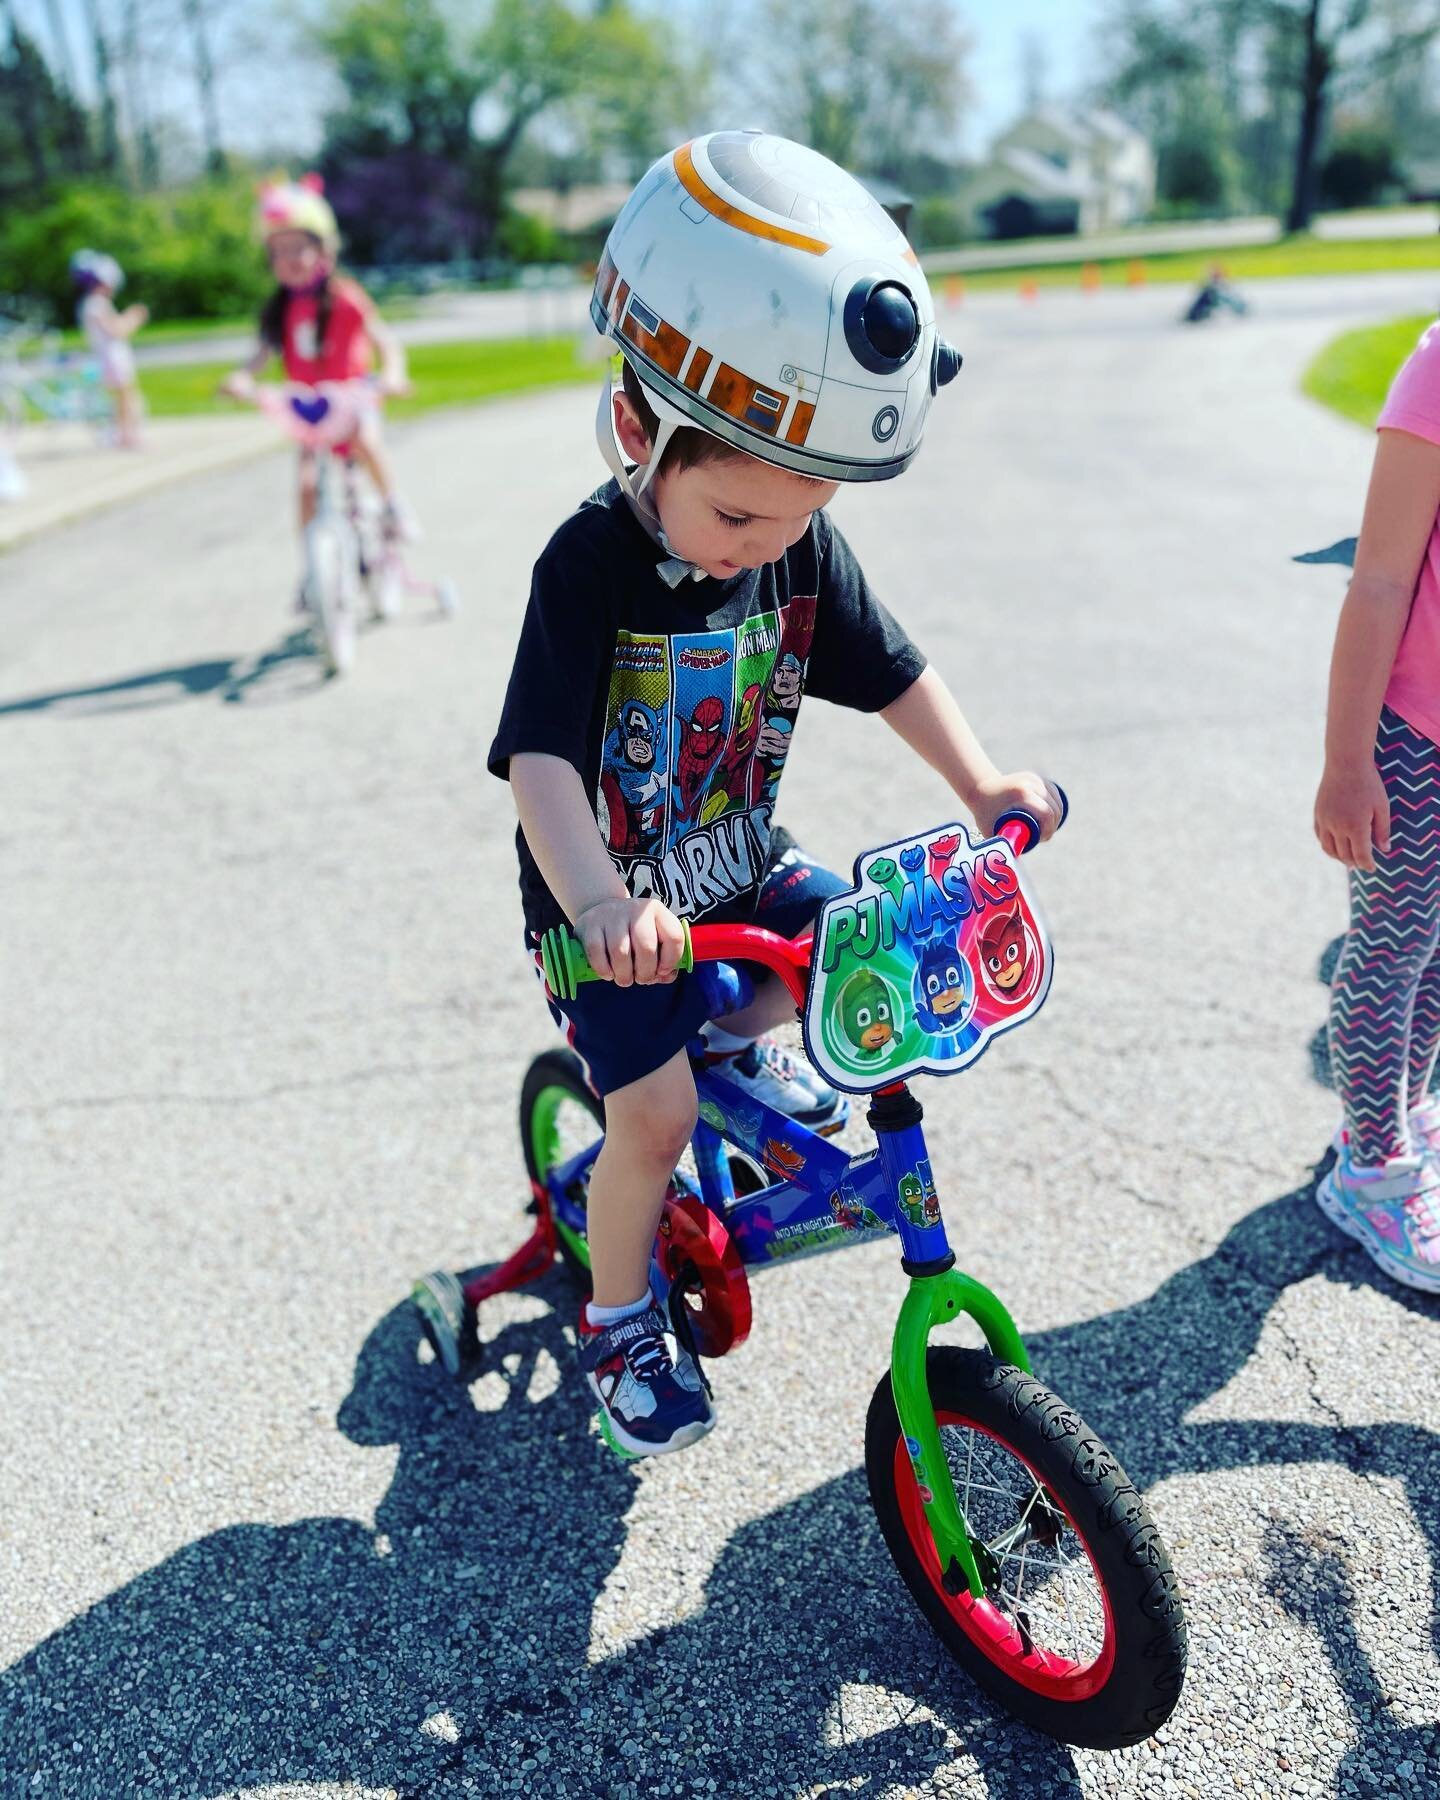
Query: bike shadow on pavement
{"points": [[451, 1644], [288, 670]]}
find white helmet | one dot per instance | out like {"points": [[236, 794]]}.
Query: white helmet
{"points": [[761, 293], [91, 268]]}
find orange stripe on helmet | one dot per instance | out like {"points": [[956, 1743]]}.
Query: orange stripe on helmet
{"points": [[694, 184]]}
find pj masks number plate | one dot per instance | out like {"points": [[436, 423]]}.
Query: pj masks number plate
{"points": [[935, 950]]}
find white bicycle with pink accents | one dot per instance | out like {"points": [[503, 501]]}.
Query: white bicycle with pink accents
{"points": [[352, 564]]}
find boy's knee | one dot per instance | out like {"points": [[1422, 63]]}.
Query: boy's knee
{"points": [[656, 1115]]}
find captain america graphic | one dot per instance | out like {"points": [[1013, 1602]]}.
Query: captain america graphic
{"points": [[632, 780]]}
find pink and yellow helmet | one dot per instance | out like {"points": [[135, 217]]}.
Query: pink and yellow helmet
{"points": [[299, 206]]}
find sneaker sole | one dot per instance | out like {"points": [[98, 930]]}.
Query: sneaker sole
{"points": [[631, 1449], [1405, 1273]]}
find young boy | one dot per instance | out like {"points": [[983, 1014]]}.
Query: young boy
{"points": [[674, 622]]}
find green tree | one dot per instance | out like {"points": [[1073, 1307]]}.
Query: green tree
{"points": [[865, 83], [1359, 166], [42, 130], [428, 91]]}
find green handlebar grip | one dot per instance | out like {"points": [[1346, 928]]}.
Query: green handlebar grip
{"points": [[566, 968]]}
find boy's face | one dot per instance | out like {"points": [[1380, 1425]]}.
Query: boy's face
{"points": [[296, 258], [725, 516]]}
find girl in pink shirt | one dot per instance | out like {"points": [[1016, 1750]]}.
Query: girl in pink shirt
{"points": [[1378, 812]]}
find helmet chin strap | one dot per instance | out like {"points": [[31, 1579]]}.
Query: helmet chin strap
{"points": [[635, 484]]}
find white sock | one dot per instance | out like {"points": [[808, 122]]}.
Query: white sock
{"points": [[612, 1315], [724, 1043]]}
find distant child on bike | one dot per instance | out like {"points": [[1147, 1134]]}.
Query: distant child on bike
{"points": [[1378, 812], [98, 278], [324, 327], [778, 338]]}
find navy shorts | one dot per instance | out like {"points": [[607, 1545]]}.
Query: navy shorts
{"points": [[622, 1034]]}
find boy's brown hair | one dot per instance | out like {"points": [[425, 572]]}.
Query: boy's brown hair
{"points": [[688, 446]]}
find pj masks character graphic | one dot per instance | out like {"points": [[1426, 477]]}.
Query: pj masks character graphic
{"points": [[942, 853], [702, 738], [867, 1014], [851, 1213], [1005, 954], [632, 769], [944, 987], [918, 1200], [912, 861]]}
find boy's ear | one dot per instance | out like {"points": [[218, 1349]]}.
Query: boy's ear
{"points": [[629, 430]]}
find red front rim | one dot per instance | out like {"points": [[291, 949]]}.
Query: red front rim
{"points": [[1046, 1672]]}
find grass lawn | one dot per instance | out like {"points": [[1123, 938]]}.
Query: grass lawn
{"points": [[1353, 372], [1244, 262], [442, 375]]}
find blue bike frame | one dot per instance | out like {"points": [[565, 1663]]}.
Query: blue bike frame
{"points": [[822, 1198]]}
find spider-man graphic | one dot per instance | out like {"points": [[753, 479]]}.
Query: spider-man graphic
{"points": [[702, 738]]}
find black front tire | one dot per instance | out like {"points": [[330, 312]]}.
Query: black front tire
{"points": [[556, 1069], [1126, 1555]]}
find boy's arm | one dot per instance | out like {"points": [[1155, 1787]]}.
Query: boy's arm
{"points": [[625, 940], [927, 717]]}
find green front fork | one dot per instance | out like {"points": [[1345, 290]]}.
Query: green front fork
{"points": [[931, 1301]]}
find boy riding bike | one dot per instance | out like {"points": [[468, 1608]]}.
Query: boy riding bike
{"points": [[324, 327], [778, 338]]}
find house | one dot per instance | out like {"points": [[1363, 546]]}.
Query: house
{"points": [[1055, 172]]}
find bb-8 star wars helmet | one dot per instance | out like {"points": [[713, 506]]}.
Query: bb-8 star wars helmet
{"points": [[761, 293]]}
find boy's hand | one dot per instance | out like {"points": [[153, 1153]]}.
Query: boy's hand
{"points": [[1352, 813], [1002, 793], [631, 942], [238, 386]]}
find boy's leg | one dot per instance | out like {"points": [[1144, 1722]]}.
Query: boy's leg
{"points": [[791, 895], [647, 1127]]}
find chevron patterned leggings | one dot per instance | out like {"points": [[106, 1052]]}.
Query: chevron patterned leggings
{"points": [[1385, 1000]]}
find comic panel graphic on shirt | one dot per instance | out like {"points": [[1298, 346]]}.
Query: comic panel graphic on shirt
{"points": [[697, 730], [634, 758]]}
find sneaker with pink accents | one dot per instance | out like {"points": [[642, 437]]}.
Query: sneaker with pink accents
{"points": [[1425, 1126], [1392, 1211]]}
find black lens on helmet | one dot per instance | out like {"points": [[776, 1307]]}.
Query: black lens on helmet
{"points": [[882, 326]]}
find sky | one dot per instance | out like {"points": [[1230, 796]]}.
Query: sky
{"points": [[997, 29]]}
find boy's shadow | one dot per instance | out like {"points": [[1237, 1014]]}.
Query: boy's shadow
{"points": [[453, 1639], [288, 668]]}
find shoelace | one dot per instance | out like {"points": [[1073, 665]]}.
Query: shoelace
{"points": [[1420, 1208], [647, 1358], [769, 1058]]}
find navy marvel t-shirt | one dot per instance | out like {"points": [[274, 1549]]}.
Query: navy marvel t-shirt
{"points": [[677, 706]]}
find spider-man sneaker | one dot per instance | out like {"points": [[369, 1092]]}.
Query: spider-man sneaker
{"points": [[1392, 1212], [651, 1394], [770, 1074]]}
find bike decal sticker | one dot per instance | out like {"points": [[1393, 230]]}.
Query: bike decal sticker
{"points": [[936, 950]]}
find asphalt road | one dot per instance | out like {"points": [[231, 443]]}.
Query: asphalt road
{"points": [[266, 1016]]}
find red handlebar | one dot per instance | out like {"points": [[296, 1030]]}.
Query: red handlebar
{"points": [[789, 958]]}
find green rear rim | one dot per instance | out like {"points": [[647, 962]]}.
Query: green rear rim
{"points": [[545, 1153]]}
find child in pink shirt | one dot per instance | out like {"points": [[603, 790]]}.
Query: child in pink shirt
{"points": [[1378, 812]]}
